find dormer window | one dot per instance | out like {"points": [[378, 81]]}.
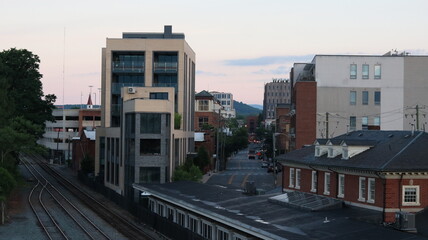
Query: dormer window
{"points": [[330, 152], [317, 151], [345, 154]]}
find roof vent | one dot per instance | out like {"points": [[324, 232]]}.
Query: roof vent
{"points": [[406, 136], [361, 134], [390, 135]]}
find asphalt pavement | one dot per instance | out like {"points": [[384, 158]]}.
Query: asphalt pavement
{"points": [[240, 169]]}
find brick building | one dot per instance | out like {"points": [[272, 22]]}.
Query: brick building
{"points": [[207, 112], [83, 145], [283, 123], [385, 171]]}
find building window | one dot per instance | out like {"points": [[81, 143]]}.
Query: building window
{"points": [[159, 95], [353, 71], [330, 152], [193, 224], [291, 178], [206, 230], [171, 214], [371, 190], [202, 121], [362, 189], [377, 98], [326, 183], [160, 210], [364, 123], [341, 189], [365, 98], [353, 98], [411, 195], [181, 219], [377, 71], [317, 151], [150, 122], [376, 121], [314, 181], [149, 175], [365, 72], [222, 234], [345, 152], [298, 178], [352, 123], [150, 146], [203, 105]]}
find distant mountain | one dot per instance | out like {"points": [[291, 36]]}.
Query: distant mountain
{"points": [[244, 109], [258, 106]]}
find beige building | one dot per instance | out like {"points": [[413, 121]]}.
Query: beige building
{"points": [[363, 92], [148, 85]]}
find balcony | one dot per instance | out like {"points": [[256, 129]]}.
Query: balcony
{"points": [[128, 67], [116, 87], [165, 67]]}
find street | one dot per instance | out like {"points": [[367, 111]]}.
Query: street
{"points": [[240, 169]]}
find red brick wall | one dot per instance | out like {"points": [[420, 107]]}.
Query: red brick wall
{"points": [[305, 97]]}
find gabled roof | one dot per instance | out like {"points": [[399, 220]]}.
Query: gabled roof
{"points": [[389, 151], [204, 93]]}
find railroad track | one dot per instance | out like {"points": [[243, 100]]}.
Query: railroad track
{"points": [[50, 195], [124, 226]]}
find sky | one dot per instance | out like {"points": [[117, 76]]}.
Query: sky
{"points": [[240, 44]]}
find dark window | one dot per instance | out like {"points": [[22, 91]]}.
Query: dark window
{"points": [[72, 118], [150, 146], [352, 123], [58, 118], [149, 175], [202, 121], [365, 98], [159, 95], [88, 118], [150, 123], [377, 98]]}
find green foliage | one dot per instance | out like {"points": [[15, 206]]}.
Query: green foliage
{"points": [[7, 183], [203, 159], [236, 142], [24, 111], [177, 121], [22, 92], [207, 126], [88, 164], [244, 109], [187, 172]]}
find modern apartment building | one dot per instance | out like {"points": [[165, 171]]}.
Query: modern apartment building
{"points": [[276, 92], [366, 92], [226, 101], [148, 89]]}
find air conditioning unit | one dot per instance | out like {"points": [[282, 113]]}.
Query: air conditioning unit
{"points": [[405, 221], [132, 90]]}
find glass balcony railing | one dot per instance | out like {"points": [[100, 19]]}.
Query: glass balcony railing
{"points": [[174, 85], [128, 67], [116, 87], [165, 67]]}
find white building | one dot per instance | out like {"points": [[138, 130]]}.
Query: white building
{"points": [[358, 92], [226, 101]]}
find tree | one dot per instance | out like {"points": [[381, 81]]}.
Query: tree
{"points": [[87, 165], [177, 121], [7, 184], [24, 111], [202, 160], [22, 88], [187, 172]]}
